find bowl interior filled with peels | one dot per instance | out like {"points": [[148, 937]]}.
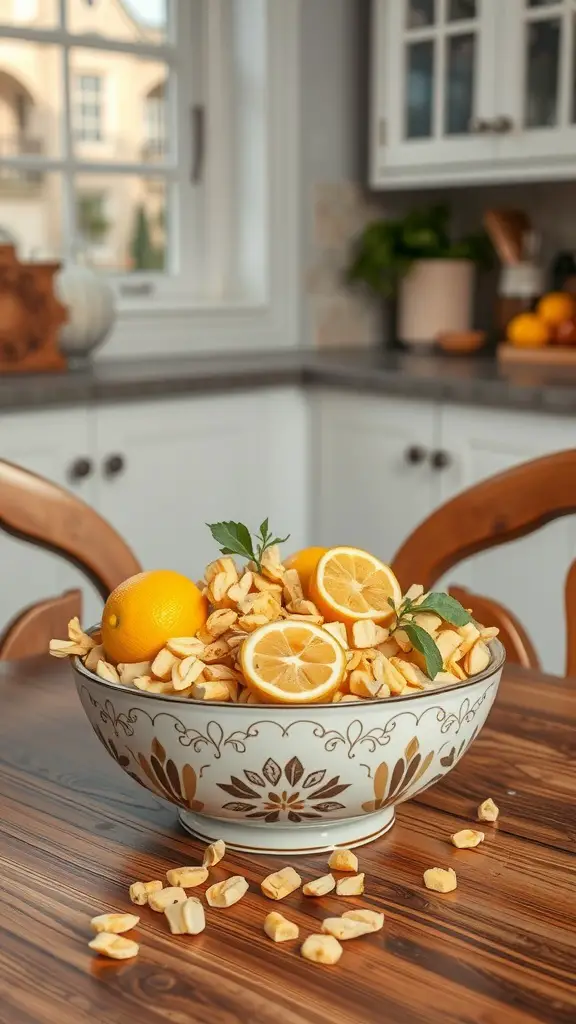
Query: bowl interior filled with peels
{"points": [[284, 706]]}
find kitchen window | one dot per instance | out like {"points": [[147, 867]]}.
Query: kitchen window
{"points": [[179, 112]]}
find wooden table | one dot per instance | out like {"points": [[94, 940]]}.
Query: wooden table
{"points": [[75, 831]]}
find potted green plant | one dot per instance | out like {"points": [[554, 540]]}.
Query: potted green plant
{"points": [[415, 260]]}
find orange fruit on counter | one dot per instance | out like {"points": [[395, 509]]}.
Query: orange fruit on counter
{"points": [[528, 330], [148, 609], [292, 662], [556, 307], [351, 584], [305, 562]]}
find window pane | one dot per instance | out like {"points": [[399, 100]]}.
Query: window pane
{"points": [[119, 107], [30, 99], [458, 10], [134, 21], [543, 62], [30, 13], [419, 89], [542, 3], [420, 13], [122, 222], [31, 212], [460, 68]]}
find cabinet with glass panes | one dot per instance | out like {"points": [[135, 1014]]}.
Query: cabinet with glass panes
{"points": [[472, 91]]}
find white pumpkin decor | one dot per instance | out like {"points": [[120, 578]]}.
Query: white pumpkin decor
{"points": [[89, 299]]}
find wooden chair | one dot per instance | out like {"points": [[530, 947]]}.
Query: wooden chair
{"points": [[500, 509], [36, 510]]}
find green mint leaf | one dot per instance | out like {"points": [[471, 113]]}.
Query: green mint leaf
{"points": [[424, 643], [278, 540], [446, 607], [233, 538], [391, 603], [264, 529]]}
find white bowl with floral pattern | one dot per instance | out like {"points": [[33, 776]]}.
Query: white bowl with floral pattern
{"points": [[288, 778]]}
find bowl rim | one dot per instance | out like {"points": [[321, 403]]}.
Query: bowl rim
{"points": [[496, 647]]}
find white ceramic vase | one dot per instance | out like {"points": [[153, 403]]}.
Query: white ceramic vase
{"points": [[435, 296], [89, 300]]}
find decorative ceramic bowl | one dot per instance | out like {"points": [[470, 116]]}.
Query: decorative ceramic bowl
{"points": [[288, 778]]}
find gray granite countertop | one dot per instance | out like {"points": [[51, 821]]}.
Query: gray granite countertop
{"points": [[464, 380]]}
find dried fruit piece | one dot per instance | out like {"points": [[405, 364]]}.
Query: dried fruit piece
{"points": [[368, 917], [225, 565], [366, 633], [185, 646], [488, 811], [448, 641], [114, 924], [163, 664], [343, 860], [440, 879], [321, 949], [140, 891], [238, 591], [185, 673], [114, 946], [281, 883], [363, 685], [227, 893], [152, 685], [428, 621], [343, 928], [211, 691], [214, 853], [77, 634], [353, 886], [272, 567], [467, 839], [412, 674], [66, 649], [187, 877], [93, 657], [107, 671], [279, 929], [186, 918], [129, 671], [347, 697], [469, 634], [477, 659], [158, 901], [338, 631], [320, 886]]}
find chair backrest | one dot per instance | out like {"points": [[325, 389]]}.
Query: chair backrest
{"points": [[509, 505], [36, 510], [32, 630]]}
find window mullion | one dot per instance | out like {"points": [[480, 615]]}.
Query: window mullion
{"points": [[68, 182]]}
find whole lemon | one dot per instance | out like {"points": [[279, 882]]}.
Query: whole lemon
{"points": [[305, 562], [528, 330], [146, 610], [556, 307]]}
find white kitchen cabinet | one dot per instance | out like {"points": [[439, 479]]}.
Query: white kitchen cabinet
{"points": [[373, 482], [528, 574], [166, 468], [57, 445], [472, 91]]}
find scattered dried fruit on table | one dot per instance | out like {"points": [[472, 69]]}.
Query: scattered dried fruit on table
{"points": [[281, 883], [114, 946], [279, 929], [187, 877], [114, 923], [343, 860], [320, 886], [140, 891], [467, 839], [227, 893], [214, 853], [352, 886], [344, 928], [186, 918], [488, 811], [158, 901], [440, 879], [367, 917], [321, 949]]}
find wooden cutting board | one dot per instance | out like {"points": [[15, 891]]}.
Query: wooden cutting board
{"points": [[548, 355]]}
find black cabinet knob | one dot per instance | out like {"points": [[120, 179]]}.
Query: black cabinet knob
{"points": [[114, 465], [415, 454], [440, 459], [80, 469]]}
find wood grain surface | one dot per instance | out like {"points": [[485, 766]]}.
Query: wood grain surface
{"points": [[75, 831]]}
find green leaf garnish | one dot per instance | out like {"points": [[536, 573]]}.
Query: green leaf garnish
{"points": [[235, 539], [446, 607], [424, 643]]}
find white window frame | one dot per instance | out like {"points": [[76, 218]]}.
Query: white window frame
{"points": [[88, 127], [248, 293]]}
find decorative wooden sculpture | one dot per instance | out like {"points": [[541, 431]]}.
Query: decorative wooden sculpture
{"points": [[30, 315]]}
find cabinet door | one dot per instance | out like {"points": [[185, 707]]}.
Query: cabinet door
{"points": [[537, 93], [367, 491], [527, 575], [435, 82], [167, 468], [51, 444]]}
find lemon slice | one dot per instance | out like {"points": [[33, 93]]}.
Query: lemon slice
{"points": [[350, 584], [292, 662]]}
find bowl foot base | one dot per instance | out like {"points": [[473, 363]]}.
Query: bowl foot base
{"points": [[281, 839]]}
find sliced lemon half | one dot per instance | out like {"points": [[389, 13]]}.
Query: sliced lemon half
{"points": [[351, 584], [292, 662]]}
